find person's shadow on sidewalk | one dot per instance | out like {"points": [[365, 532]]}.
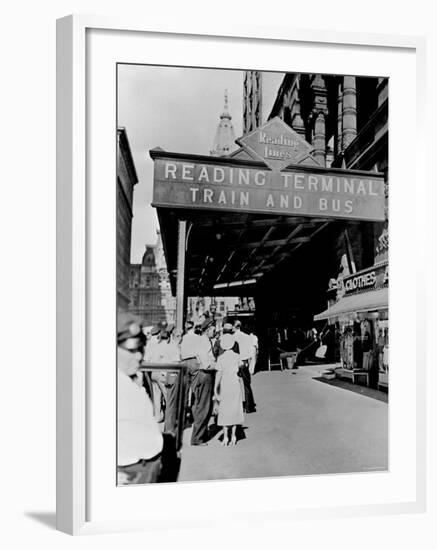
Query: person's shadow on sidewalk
{"points": [[241, 432]]}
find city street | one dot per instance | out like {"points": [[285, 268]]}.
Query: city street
{"points": [[304, 425]]}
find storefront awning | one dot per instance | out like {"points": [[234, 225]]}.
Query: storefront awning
{"points": [[373, 300]]}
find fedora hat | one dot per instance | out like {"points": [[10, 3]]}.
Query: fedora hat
{"points": [[206, 324], [155, 330]]}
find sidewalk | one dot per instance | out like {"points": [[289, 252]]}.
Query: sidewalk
{"points": [[302, 427]]}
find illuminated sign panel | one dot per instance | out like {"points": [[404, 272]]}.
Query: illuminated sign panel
{"points": [[297, 190]]}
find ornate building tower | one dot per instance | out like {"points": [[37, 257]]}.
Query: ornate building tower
{"points": [[252, 106], [224, 141]]}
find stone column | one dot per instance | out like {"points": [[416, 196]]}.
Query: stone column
{"points": [[319, 111], [339, 140], [180, 281], [258, 100], [349, 111], [252, 101], [319, 138], [294, 104]]}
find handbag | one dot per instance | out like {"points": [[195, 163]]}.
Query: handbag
{"points": [[321, 351]]}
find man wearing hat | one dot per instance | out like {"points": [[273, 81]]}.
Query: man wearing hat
{"points": [[172, 394], [203, 384], [140, 442], [218, 320], [190, 358], [206, 352], [155, 348], [150, 355]]}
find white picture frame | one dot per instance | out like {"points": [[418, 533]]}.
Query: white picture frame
{"points": [[74, 340]]}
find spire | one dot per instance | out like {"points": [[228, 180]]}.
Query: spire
{"points": [[225, 113], [224, 141]]}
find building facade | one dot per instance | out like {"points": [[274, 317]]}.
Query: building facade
{"points": [[345, 119], [252, 100], [126, 180], [149, 287]]}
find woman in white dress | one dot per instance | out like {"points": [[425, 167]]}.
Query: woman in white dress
{"points": [[228, 390]]}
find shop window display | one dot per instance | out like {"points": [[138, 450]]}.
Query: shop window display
{"points": [[382, 346]]}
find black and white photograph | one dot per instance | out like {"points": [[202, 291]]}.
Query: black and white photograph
{"points": [[227, 313], [252, 243]]}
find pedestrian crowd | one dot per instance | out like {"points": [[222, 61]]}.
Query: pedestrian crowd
{"points": [[219, 360]]}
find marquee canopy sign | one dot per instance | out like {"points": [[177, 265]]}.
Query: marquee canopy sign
{"points": [[274, 183]]}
